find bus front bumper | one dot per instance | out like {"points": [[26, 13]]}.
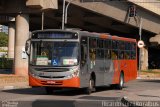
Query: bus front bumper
{"points": [[67, 83]]}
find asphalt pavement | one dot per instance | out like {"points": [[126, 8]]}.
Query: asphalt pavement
{"points": [[140, 92]]}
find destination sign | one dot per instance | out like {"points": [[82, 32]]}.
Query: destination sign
{"points": [[54, 35]]}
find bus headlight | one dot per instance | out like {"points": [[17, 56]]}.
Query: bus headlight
{"points": [[74, 72], [33, 72]]}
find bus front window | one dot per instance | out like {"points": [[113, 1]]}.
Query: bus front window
{"points": [[54, 53]]}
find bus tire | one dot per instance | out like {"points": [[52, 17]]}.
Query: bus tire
{"points": [[91, 86], [121, 82], [49, 90]]}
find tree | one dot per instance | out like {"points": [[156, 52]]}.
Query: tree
{"points": [[3, 39]]}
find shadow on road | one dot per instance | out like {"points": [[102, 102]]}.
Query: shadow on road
{"points": [[155, 81], [53, 103], [63, 92], [41, 91], [29, 91], [85, 101]]}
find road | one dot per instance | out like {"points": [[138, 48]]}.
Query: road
{"points": [[36, 97]]}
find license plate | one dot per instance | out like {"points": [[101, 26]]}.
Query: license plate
{"points": [[51, 82]]}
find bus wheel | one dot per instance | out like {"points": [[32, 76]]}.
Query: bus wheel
{"points": [[49, 90], [121, 82], [91, 86]]}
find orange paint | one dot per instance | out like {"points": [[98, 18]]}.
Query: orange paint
{"points": [[72, 83], [116, 72], [129, 68], [103, 36]]}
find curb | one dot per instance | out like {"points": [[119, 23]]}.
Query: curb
{"points": [[140, 78], [11, 87], [128, 103]]}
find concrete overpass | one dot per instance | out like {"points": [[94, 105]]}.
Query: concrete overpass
{"points": [[23, 16]]}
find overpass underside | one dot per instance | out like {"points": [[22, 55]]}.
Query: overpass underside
{"points": [[109, 17]]}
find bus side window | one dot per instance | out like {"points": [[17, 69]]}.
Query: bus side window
{"points": [[133, 51], [114, 54], [107, 54], [127, 55], [121, 54], [133, 54], [114, 44]]}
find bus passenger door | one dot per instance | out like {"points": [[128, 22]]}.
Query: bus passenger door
{"points": [[96, 59], [84, 75]]}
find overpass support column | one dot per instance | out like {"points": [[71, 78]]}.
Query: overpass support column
{"points": [[144, 58], [22, 34], [11, 40]]}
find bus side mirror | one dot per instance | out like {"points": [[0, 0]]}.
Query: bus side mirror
{"points": [[24, 54], [27, 45]]}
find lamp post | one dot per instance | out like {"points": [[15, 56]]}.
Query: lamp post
{"points": [[66, 10], [140, 37], [133, 13], [140, 29], [42, 27], [63, 14]]}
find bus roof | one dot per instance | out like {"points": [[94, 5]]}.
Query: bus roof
{"points": [[107, 36], [92, 34]]}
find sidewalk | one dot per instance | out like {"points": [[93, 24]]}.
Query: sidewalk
{"points": [[149, 75], [10, 81], [148, 98], [148, 95]]}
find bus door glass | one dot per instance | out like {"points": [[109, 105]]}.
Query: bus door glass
{"points": [[96, 59], [92, 54], [84, 59]]}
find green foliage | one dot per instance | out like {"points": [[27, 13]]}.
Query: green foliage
{"points": [[6, 63], [3, 39], [151, 71], [2, 50]]}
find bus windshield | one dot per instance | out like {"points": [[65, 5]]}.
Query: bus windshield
{"points": [[45, 53]]}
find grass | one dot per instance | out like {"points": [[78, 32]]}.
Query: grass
{"points": [[151, 71]]}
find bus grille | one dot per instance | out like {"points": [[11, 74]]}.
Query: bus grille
{"points": [[51, 69], [52, 76]]}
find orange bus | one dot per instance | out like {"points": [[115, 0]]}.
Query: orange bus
{"points": [[80, 59]]}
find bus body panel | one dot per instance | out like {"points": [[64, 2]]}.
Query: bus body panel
{"points": [[116, 71], [109, 72], [99, 71], [128, 67], [133, 69], [84, 76]]}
